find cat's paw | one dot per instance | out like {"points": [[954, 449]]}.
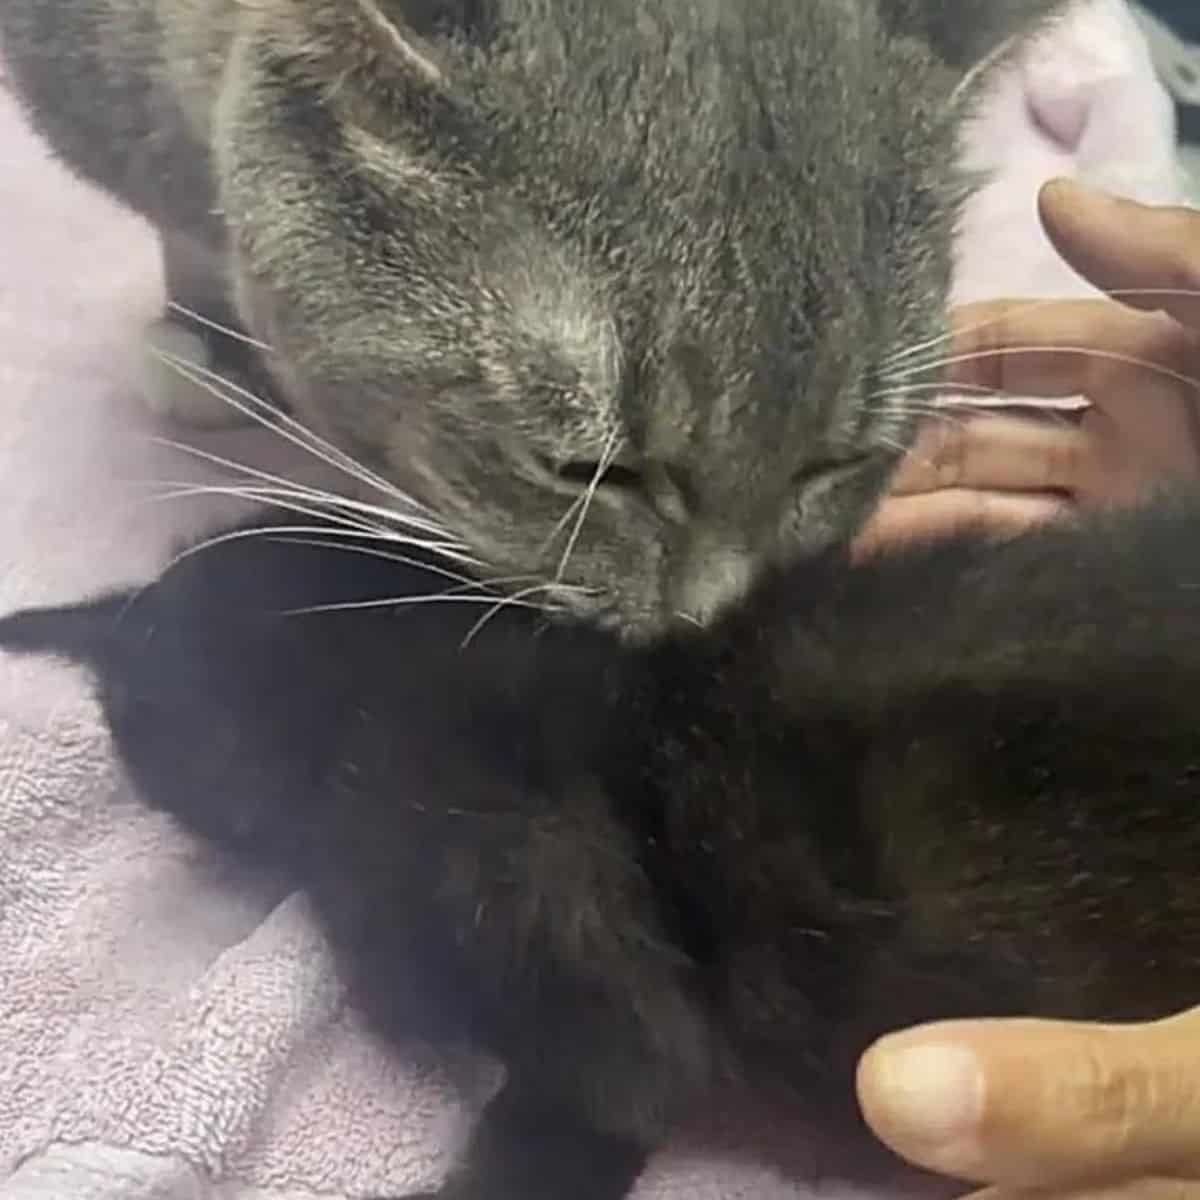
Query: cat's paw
{"points": [[177, 372]]}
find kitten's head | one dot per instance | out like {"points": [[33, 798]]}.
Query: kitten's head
{"points": [[629, 291]]}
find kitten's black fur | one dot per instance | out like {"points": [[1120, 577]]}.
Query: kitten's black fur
{"points": [[962, 779]]}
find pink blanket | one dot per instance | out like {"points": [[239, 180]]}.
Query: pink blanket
{"points": [[168, 1029]]}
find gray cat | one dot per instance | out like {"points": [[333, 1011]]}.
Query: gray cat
{"points": [[615, 287]]}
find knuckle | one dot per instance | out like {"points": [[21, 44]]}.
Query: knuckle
{"points": [[950, 454], [981, 335], [989, 510], [1101, 1098], [996, 515], [1182, 273], [1062, 463], [1167, 343], [1133, 1107], [1180, 227]]}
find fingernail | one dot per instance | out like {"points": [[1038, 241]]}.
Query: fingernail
{"points": [[928, 1094]]}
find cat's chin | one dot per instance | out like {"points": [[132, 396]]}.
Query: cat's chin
{"points": [[637, 631]]}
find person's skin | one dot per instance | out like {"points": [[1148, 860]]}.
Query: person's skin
{"points": [[1023, 1107]]}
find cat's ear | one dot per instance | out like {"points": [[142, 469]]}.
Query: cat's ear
{"points": [[469, 20], [967, 35], [387, 45]]}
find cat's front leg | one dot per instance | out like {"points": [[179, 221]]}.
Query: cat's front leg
{"points": [[531, 1148]]}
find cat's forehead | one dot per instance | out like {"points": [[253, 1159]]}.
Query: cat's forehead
{"points": [[711, 69], [670, 124], [726, 182]]}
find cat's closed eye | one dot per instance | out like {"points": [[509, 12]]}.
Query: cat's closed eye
{"points": [[663, 486], [592, 473], [597, 474]]}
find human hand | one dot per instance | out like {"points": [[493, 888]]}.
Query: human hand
{"points": [[1058, 1109], [1137, 361], [1067, 1111]]}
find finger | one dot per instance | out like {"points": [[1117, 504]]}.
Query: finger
{"points": [[1122, 246], [1067, 348], [1137, 442], [938, 514], [1138, 1189], [1037, 1104], [998, 453]]}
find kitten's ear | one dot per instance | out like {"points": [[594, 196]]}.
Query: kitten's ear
{"points": [[967, 34], [388, 45]]}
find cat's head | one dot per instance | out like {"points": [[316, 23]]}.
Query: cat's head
{"points": [[629, 291]]}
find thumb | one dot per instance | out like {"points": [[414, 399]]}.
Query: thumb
{"points": [[1031, 1104], [1146, 256]]}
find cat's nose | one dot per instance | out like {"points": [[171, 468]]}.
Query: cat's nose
{"points": [[708, 576]]}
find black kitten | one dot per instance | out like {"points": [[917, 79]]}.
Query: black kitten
{"points": [[959, 780]]}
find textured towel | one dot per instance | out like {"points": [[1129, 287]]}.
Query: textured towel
{"points": [[169, 1029]]}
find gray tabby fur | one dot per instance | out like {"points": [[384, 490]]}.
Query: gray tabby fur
{"points": [[487, 238]]}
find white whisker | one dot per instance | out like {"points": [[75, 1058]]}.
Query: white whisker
{"points": [[286, 426], [518, 598], [919, 397], [963, 412], [932, 386], [354, 519], [233, 535], [561, 523], [1023, 310], [254, 494], [950, 334], [403, 560], [452, 596], [891, 443], [611, 449], [1086, 351], [261, 412], [320, 505], [200, 319], [314, 502], [421, 517], [933, 412]]}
